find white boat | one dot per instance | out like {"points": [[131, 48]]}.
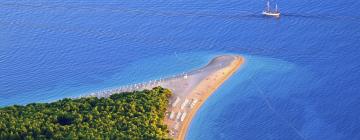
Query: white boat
{"points": [[269, 12]]}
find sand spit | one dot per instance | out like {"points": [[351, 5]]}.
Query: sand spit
{"points": [[190, 90]]}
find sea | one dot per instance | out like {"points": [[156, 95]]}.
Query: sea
{"points": [[300, 81]]}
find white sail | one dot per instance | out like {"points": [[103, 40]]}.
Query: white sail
{"points": [[269, 12]]}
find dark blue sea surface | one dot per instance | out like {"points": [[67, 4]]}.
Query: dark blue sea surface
{"points": [[300, 79]]}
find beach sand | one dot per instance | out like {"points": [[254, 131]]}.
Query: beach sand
{"points": [[190, 90], [193, 88]]}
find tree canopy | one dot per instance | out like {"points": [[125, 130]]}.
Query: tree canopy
{"points": [[129, 115]]}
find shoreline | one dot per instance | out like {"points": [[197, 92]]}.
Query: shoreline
{"points": [[193, 88], [234, 67], [190, 90]]}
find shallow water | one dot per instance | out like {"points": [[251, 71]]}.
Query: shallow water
{"points": [[300, 80]]}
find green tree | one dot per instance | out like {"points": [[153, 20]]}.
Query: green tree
{"points": [[129, 115]]}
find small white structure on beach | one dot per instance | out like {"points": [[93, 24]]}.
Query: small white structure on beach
{"points": [[178, 115], [183, 116], [185, 76], [177, 100], [172, 115], [184, 103]]}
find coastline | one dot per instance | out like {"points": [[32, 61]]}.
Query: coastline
{"points": [[202, 86], [190, 90], [193, 88]]}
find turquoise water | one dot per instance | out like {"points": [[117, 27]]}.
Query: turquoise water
{"points": [[300, 80]]}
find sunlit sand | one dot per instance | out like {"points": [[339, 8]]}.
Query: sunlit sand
{"points": [[190, 90]]}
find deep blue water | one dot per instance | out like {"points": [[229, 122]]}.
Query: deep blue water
{"points": [[300, 80]]}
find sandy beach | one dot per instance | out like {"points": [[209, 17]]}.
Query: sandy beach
{"points": [[190, 90]]}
